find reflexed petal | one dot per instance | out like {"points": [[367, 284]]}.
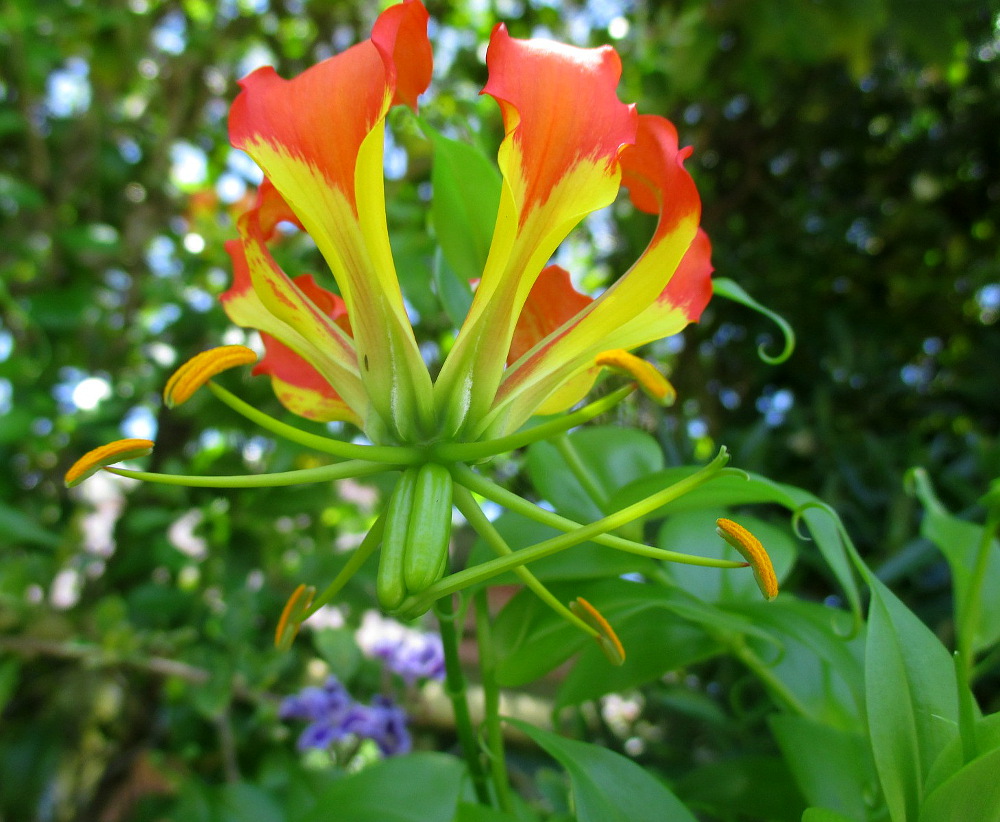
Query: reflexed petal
{"points": [[565, 129], [551, 302], [644, 305], [318, 138], [299, 386], [297, 314]]}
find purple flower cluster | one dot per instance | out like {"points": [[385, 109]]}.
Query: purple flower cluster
{"points": [[410, 653], [333, 714]]}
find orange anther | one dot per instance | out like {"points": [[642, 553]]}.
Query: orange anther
{"points": [[649, 379], [753, 552], [201, 368], [293, 616], [606, 636], [93, 461]]}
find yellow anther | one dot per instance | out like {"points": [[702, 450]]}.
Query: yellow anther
{"points": [[293, 616], [649, 379], [606, 636], [753, 552], [201, 368], [93, 461]]}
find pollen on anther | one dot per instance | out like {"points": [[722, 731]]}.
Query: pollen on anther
{"points": [[201, 368], [606, 637], [753, 552], [292, 616], [98, 458], [651, 381]]}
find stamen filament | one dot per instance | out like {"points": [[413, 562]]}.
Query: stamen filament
{"points": [[357, 559], [470, 509], [325, 473], [399, 455], [582, 533], [501, 496], [470, 451]]}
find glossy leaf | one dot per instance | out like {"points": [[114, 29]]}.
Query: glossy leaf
{"points": [[832, 768], [466, 197], [614, 456], [607, 787], [961, 542], [425, 787], [911, 697], [971, 793]]}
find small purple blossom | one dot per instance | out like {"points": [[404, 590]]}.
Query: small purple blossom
{"points": [[333, 714], [410, 653]]}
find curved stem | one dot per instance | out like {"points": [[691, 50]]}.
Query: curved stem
{"points": [[579, 468], [512, 502], [739, 649], [491, 702], [465, 503], [357, 559], [325, 473], [583, 533], [470, 451], [454, 683], [400, 455]]}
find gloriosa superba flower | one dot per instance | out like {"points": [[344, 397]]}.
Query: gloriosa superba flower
{"points": [[530, 344]]}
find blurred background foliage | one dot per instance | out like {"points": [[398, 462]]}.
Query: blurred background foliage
{"points": [[847, 158]]}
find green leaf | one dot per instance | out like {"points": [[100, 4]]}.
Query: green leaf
{"points": [[911, 696], [18, 528], [531, 639], [468, 812], [987, 737], [614, 456], [973, 793], [607, 787], [454, 293], [652, 648], [961, 542], [743, 786], [466, 198], [824, 815], [832, 768], [241, 801], [420, 787], [338, 647]]}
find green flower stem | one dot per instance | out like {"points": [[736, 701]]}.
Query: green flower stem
{"points": [[491, 702], [470, 451], [580, 470], [398, 455], [969, 617], [968, 620], [357, 559], [466, 503], [739, 649], [512, 502], [582, 533], [326, 473], [454, 683]]}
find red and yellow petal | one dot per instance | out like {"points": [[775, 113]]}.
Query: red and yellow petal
{"points": [[565, 131], [310, 332], [297, 384], [318, 138], [551, 302], [645, 304]]}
